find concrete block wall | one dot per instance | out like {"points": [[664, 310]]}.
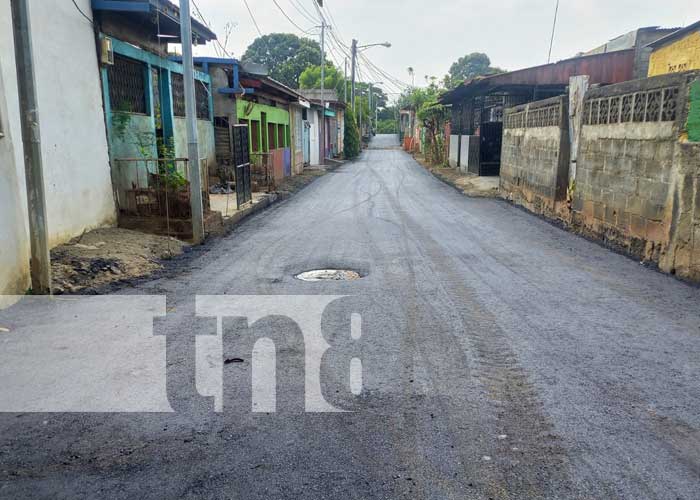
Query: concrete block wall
{"points": [[636, 181], [535, 155], [636, 186]]}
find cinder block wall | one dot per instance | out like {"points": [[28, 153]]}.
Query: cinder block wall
{"points": [[535, 155], [636, 182]]}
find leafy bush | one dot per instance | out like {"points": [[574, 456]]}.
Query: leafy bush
{"points": [[352, 136]]}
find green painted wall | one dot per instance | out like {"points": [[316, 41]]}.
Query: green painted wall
{"points": [[277, 116], [274, 115], [694, 113]]}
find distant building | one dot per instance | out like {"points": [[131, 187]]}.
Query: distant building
{"points": [[677, 52], [639, 41]]}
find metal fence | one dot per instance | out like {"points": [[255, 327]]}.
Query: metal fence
{"points": [[156, 187], [261, 170]]}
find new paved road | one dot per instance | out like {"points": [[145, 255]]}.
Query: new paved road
{"points": [[502, 358]]}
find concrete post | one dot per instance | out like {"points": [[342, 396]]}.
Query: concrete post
{"points": [[191, 118], [40, 266]]}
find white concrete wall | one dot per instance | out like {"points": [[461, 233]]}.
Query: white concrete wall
{"points": [[74, 142], [14, 247], [205, 136], [454, 151], [314, 133]]}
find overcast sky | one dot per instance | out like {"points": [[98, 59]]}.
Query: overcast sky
{"points": [[430, 35]]}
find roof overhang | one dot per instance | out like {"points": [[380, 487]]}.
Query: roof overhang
{"points": [[603, 69], [164, 15]]}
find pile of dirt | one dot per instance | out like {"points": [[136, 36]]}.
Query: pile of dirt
{"points": [[106, 255], [469, 184], [296, 182]]}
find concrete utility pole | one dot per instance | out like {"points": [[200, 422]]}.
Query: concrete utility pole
{"points": [[370, 109], [191, 118], [352, 73], [40, 265], [323, 90]]}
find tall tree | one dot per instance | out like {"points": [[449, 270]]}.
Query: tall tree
{"points": [[311, 79], [469, 67], [285, 55]]}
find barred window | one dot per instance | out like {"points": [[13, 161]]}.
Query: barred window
{"points": [[202, 98], [127, 85], [178, 85], [201, 91]]}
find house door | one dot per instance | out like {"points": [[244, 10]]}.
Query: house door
{"points": [[314, 140], [306, 145], [490, 148]]}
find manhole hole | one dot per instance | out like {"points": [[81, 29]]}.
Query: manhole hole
{"points": [[329, 275]]}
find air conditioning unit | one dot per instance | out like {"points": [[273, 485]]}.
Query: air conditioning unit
{"points": [[107, 51]]}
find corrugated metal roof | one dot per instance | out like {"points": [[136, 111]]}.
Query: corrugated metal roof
{"points": [[606, 68], [675, 36]]}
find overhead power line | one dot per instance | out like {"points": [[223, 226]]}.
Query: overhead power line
{"points": [[305, 31], [304, 12], [252, 17], [83, 13]]}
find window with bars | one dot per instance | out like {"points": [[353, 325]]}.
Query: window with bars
{"points": [[178, 86], [127, 85], [201, 91]]}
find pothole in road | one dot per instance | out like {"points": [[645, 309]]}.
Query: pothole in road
{"points": [[329, 275]]}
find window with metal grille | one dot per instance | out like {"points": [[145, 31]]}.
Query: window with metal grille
{"points": [[202, 98], [201, 91], [178, 86], [127, 85]]}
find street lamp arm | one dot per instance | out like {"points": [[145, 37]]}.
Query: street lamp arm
{"points": [[384, 44]]}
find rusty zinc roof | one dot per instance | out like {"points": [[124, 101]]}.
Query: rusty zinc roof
{"points": [[606, 68]]}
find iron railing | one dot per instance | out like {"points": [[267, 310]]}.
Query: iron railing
{"points": [[156, 187]]}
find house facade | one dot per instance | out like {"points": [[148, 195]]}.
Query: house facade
{"points": [[677, 52], [73, 132]]}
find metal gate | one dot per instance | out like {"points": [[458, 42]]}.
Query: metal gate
{"points": [[490, 148], [241, 159]]}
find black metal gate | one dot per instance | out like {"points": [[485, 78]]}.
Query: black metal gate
{"points": [[241, 159], [490, 148]]}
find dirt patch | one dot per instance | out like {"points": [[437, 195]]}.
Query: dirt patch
{"points": [[107, 255], [469, 184], [297, 182]]}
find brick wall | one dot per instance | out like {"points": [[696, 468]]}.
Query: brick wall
{"points": [[535, 155]]}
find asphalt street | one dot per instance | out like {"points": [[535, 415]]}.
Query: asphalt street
{"points": [[502, 357]]}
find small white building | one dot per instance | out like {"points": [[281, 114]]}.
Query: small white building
{"points": [[74, 142]]}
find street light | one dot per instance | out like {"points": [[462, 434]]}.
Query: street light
{"points": [[365, 47], [355, 50]]}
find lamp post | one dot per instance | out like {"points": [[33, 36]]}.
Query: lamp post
{"points": [[355, 49]]}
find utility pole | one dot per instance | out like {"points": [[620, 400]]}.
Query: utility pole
{"points": [[323, 91], [352, 73], [191, 119], [40, 264], [370, 109]]}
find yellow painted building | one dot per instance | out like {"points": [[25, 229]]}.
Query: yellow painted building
{"points": [[677, 52]]}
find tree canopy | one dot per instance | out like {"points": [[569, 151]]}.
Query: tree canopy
{"points": [[311, 79], [285, 55], [468, 67]]}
